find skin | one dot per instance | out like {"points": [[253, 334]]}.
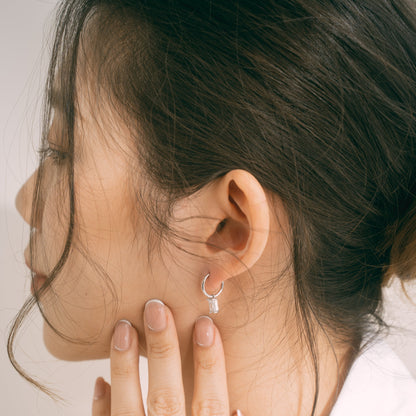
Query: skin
{"points": [[166, 393], [238, 233]]}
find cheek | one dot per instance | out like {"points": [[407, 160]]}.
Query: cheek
{"points": [[82, 305], [84, 297]]}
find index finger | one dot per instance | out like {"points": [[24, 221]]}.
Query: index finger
{"points": [[126, 395]]}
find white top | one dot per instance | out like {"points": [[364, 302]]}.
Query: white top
{"points": [[378, 384]]}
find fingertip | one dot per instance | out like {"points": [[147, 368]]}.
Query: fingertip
{"points": [[155, 315], [204, 331], [122, 336], [100, 388], [238, 412]]}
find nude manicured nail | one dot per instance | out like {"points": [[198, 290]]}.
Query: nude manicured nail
{"points": [[122, 335], [238, 413], [99, 390], [204, 331], [155, 315]]}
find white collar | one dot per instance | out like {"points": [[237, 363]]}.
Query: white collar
{"points": [[378, 384]]}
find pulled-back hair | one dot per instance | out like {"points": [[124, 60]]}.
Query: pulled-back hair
{"points": [[316, 99]]}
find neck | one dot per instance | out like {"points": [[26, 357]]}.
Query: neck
{"points": [[274, 374]]}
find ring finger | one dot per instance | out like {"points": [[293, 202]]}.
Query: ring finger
{"points": [[210, 377]]}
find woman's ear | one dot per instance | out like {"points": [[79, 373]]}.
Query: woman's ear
{"points": [[239, 203]]}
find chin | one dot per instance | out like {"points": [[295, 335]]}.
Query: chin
{"points": [[71, 351]]}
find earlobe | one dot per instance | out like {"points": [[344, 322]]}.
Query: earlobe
{"points": [[242, 233]]}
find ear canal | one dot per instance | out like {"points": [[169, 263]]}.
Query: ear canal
{"points": [[230, 234], [220, 226]]}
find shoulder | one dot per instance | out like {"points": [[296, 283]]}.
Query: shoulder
{"points": [[377, 384]]}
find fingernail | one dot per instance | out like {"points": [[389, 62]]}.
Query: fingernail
{"points": [[204, 331], [238, 413], [155, 315], [122, 335], [99, 389]]}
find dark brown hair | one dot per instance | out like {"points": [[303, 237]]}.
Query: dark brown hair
{"points": [[315, 98]]}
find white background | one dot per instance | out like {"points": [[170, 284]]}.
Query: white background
{"points": [[23, 29]]}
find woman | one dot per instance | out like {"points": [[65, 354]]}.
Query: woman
{"points": [[264, 150]]}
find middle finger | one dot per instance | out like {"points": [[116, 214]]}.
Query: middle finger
{"points": [[165, 395]]}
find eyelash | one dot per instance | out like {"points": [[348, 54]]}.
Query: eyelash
{"points": [[57, 156]]}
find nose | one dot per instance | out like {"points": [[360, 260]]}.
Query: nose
{"points": [[24, 199]]}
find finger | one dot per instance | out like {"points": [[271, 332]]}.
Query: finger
{"points": [[210, 379], [101, 405], [165, 394], [126, 396]]}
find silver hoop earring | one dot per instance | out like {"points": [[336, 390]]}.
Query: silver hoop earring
{"points": [[212, 299]]}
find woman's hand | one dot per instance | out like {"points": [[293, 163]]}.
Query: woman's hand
{"points": [[165, 393]]}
